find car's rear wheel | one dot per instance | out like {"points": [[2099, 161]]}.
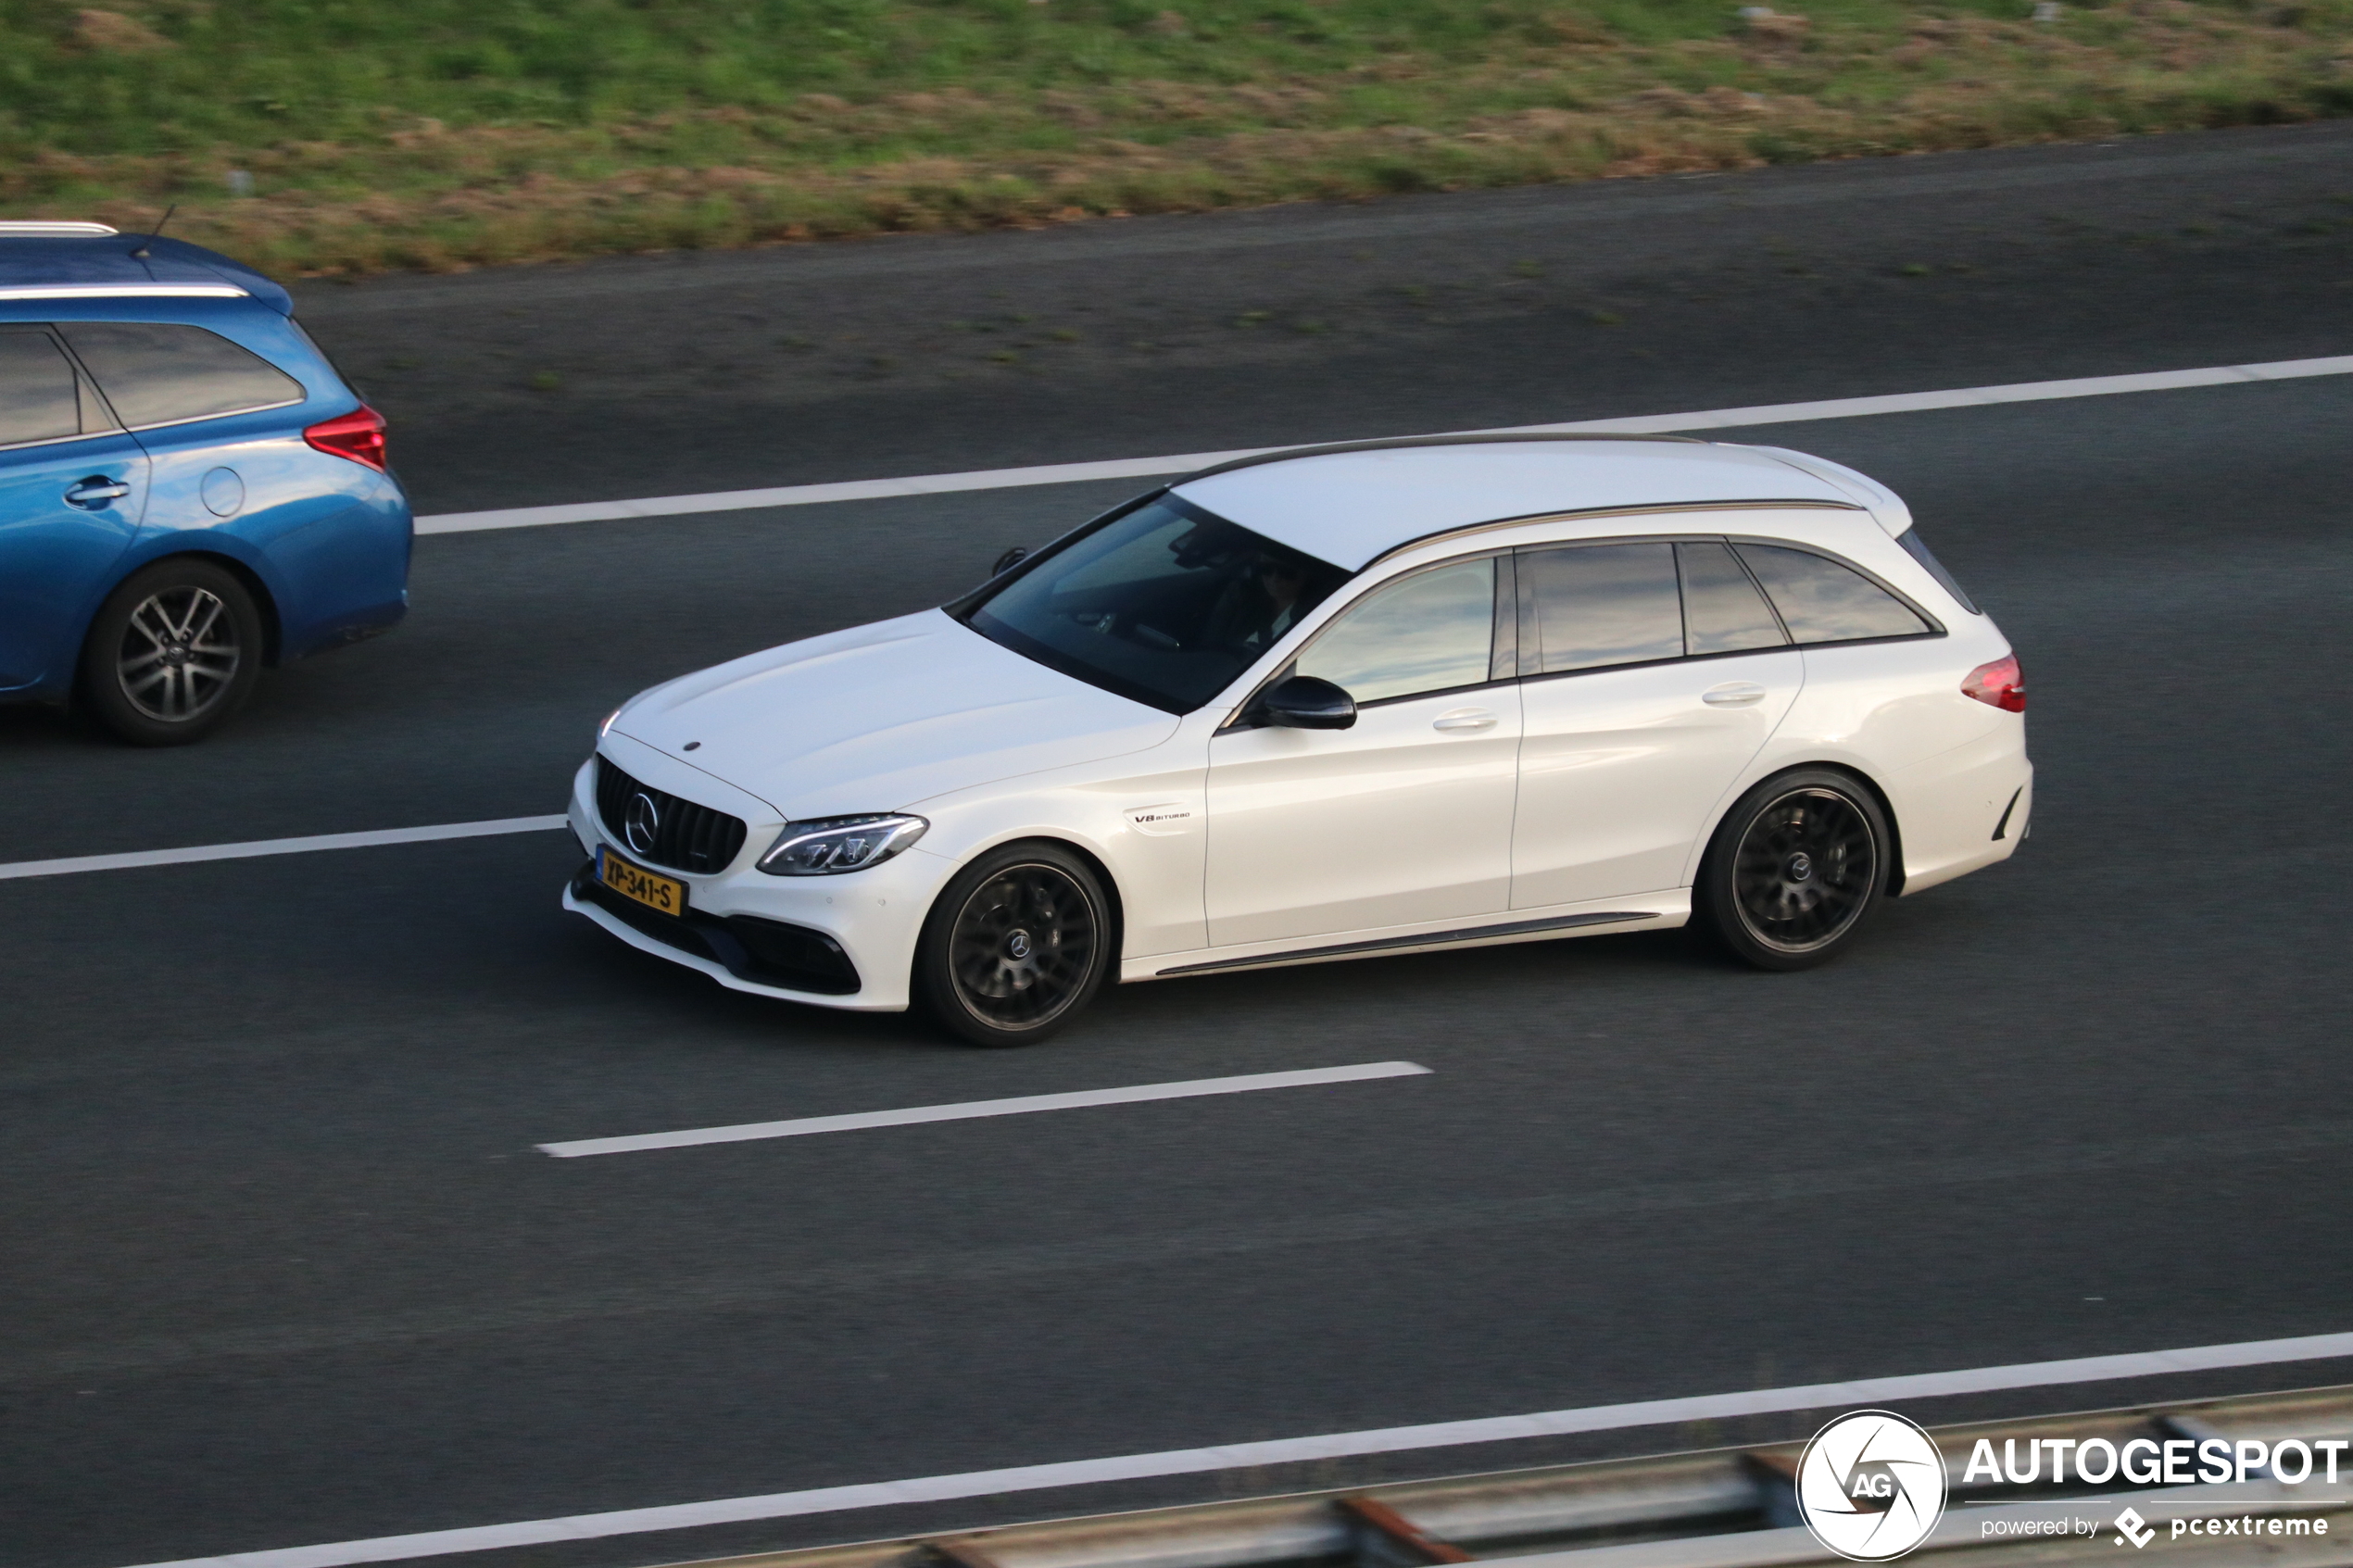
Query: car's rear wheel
{"points": [[172, 654], [1795, 867], [1017, 946]]}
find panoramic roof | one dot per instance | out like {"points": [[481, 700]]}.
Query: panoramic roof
{"points": [[1348, 508]]}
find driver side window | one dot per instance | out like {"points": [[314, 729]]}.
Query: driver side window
{"points": [[1427, 633]]}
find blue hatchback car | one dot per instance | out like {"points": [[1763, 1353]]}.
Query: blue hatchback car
{"points": [[188, 490]]}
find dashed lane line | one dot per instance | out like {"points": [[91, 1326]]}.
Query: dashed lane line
{"points": [[765, 1280], [972, 1110], [1149, 468]]}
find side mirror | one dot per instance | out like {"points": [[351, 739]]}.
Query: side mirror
{"points": [[1008, 560], [1305, 703]]}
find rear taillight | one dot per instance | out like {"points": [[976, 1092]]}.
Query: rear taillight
{"points": [[2000, 684], [359, 435]]}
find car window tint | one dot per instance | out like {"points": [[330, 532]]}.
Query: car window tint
{"points": [[1722, 610], [1590, 605], [1917, 547], [1825, 602], [37, 400], [1166, 603], [155, 373], [1427, 633]]}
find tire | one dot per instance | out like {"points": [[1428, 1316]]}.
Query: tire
{"points": [[174, 653], [1795, 869], [1015, 947]]}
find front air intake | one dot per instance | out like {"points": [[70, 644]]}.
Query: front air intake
{"points": [[680, 835]]}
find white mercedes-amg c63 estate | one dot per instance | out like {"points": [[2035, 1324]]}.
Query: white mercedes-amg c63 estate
{"points": [[1331, 704]]}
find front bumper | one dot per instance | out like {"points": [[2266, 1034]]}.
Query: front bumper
{"points": [[844, 941], [771, 955]]}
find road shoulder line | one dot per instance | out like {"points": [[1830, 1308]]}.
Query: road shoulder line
{"points": [[1861, 1392], [252, 848]]}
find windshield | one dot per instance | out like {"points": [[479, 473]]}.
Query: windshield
{"points": [[1166, 604]]}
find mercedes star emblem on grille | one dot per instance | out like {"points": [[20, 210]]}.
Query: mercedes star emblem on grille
{"points": [[644, 821]]}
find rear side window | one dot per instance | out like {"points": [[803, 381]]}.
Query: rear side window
{"points": [[1822, 601], [1917, 547], [1722, 610], [1594, 605], [1429, 633], [38, 400], [156, 373]]}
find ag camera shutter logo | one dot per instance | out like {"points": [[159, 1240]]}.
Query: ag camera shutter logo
{"points": [[1870, 1486]]}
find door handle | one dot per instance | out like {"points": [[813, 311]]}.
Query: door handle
{"points": [[1733, 693], [1456, 720], [96, 491]]}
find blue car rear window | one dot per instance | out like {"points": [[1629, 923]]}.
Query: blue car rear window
{"points": [[158, 374]]}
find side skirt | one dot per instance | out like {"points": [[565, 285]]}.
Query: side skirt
{"points": [[1533, 930]]}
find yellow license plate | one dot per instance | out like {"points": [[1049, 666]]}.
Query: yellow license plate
{"points": [[649, 888]]}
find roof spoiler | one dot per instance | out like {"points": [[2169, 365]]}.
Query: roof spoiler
{"points": [[1467, 438], [1887, 508]]}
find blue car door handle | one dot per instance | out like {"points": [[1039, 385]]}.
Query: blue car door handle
{"points": [[96, 491]]}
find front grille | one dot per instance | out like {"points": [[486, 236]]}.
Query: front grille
{"points": [[767, 952], [687, 838]]}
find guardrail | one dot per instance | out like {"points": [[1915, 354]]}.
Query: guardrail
{"points": [[1720, 1508]]}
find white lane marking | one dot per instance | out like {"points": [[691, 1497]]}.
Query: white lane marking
{"points": [[72, 864], [1286, 1451], [972, 1110], [1146, 467]]}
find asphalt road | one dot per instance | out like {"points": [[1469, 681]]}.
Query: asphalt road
{"points": [[281, 1267]]}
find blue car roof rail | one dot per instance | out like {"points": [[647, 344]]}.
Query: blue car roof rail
{"points": [[61, 259], [55, 229]]}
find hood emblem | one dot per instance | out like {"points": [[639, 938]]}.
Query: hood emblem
{"points": [[643, 821]]}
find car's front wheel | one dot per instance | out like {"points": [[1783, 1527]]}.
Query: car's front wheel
{"points": [[1796, 867], [1015, 947], [172, 654]]}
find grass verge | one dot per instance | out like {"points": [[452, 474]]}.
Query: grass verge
{"points": [[326, 136]]}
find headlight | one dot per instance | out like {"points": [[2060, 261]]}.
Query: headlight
{"points": [[606, 722], [833, 845]]}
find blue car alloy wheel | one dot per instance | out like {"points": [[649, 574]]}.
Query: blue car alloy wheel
{"points": [[172, 654]]}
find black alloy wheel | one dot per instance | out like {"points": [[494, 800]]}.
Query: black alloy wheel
{"points": [[1793, 870], [1018, 942], [172, 652]]}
